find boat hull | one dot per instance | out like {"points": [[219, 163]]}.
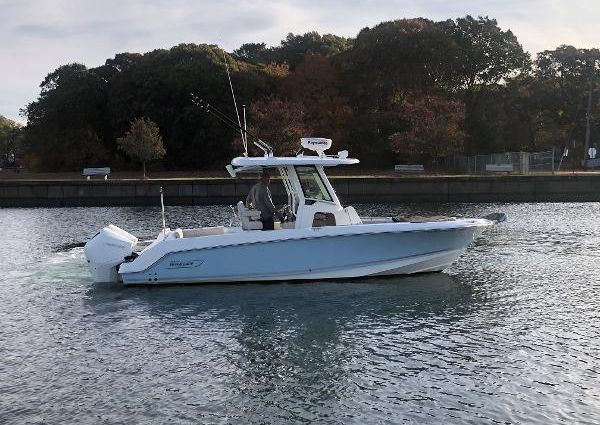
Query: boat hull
{"points": [[308, 258]]}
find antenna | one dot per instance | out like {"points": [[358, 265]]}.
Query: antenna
{"points": [[162, 206], [237, 112], [245, 132]]}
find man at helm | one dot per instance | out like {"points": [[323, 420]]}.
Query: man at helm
{"points": [[260, 198]]}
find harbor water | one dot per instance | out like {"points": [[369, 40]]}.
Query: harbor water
{"points": [[509, 334]]}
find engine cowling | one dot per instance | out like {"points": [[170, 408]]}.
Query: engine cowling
{"points": [[106, 251]]}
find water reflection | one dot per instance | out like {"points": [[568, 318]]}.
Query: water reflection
{"points": [[356, 297], [285, 341]]}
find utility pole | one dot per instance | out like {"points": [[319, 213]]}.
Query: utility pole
{"points": [[12, 152], [588, 115], [587, 126]]}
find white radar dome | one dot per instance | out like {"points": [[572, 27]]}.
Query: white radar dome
{"points": [[317, 144]]}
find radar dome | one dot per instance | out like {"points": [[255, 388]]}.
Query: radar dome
{"points": [[316, 144]]}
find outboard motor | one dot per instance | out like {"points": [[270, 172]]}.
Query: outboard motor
{"points": [[106, 251]]}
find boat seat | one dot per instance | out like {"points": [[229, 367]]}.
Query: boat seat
{"points": [[204, 231], [250, 218]]}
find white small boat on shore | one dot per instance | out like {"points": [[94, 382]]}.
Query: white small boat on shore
{"points": [[318, 238]]}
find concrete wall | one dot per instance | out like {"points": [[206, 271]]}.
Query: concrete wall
{"points": [[350, 189]]}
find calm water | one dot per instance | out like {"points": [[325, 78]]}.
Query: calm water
{"points": [[507, 335]]}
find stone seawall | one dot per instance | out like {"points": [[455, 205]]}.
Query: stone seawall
{"points": [[46, 193]]}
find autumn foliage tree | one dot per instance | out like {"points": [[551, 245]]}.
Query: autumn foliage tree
{"points": [[142, 143], [280, 123], [314, 84], [433, 128]]}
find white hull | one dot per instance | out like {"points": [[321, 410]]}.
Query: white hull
{"points": [[335, 253], [428, 263]]}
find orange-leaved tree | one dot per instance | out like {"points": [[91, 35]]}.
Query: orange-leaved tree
{"points": [[314, 83], [280, 123], [433, 128]]}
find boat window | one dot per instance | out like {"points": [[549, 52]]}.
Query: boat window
{"points": [[312, 184]]}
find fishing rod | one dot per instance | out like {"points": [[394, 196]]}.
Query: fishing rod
{"points": [[265, 147], [237, 112], [207, 107], [222, 117]]}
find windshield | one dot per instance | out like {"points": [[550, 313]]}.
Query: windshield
{"points": [[312, 183]]}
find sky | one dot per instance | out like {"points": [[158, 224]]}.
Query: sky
{"points": [[37, 36]]}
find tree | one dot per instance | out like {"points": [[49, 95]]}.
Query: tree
{"points": [[481, 58], [295, 46], [483, 53], [142, 142], [82, 147], [314, 84], [280, 123], [253, 52], [386, 64], [566, 80], [464, 58], [392, 58], [10, 135], [75, 100], [72, 102], [292, 49], [336, 86], [432, 128]]}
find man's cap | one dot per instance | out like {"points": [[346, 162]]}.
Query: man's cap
{"points": [[265, 173]]}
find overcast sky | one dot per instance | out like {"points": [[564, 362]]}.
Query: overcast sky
{"points": [[37, 36]]}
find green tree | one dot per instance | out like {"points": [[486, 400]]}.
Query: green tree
{"points": [[10, 135], [481, 59], [142, 142], [157, 85], [565, 79], [253, 52], [295, 46], [483, 53], [292, 49], [72, 101], [82, 147], [394, 58]]}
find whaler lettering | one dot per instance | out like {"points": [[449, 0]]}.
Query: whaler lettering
{"points": [[179, 264]]}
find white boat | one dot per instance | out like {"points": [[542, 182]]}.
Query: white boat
{"points": [[318, 239]]}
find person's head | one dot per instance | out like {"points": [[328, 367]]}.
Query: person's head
{"points": [[265, 177]]}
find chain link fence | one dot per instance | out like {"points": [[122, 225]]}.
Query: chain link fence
{"points": [[508, 162]]}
